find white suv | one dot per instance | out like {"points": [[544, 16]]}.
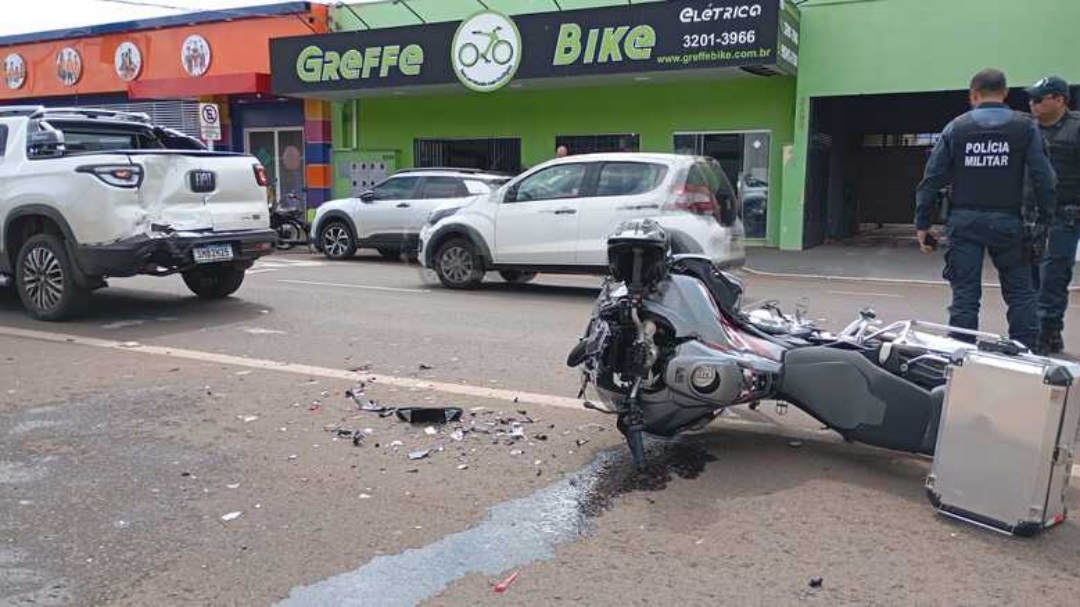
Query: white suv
{"points": [[556, 217], [389, 216]]}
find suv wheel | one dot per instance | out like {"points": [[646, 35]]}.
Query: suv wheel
{"points": [[337, 240], [215, 281], [458, 265], [45, 278], [517, 277]]}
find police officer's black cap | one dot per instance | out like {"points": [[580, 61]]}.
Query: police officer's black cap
{"points": [[1051, 85]]}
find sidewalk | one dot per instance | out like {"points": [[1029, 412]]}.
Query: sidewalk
{"points": [[894, 262]]}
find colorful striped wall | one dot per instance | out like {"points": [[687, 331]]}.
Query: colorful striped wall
{"points": [[317, 137]]}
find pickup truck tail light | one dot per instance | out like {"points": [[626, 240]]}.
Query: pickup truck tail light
{"points": [[260, 175], [116, 175]]}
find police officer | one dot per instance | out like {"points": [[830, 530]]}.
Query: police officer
{"points": [[1049, 102], [984, 154]]}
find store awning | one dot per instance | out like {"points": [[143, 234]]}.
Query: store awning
{"points": [[177, 88]]}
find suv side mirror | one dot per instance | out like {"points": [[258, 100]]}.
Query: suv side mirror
{"points": [[45, 144], [367, 196], [511, 194]]}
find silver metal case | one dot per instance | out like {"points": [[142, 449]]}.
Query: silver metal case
{"points": [[1006, 441]]}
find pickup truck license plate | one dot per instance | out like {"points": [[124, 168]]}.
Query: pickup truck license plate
{"points": [[212, 253]]}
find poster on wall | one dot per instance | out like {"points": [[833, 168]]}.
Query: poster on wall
{"points": [[14, 71], [68, 66], [127, 60]]}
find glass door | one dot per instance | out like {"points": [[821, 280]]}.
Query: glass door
{"points": [[281, 152]]}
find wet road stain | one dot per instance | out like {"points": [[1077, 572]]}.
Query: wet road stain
{"points": [[516, 532]]}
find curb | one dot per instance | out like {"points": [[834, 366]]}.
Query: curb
{"points": [[866, 279]]}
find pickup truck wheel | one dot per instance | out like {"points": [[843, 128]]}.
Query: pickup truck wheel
{"points": [[458, 265], [215, 281], [337, 240], [517, 277], [45, 278]]}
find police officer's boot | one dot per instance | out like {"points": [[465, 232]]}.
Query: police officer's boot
{"points": [[1050, 342]]}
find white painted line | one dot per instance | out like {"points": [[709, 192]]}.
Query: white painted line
{"points": [[864, 293], [307, 370], [262, 271], [348, 286]]}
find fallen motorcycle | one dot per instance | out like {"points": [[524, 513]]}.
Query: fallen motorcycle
{"points": [[669, 346], [288, 221]]}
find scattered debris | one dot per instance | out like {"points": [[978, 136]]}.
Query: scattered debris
{"points": [[122, 324], [463, 467], [477, 409], [815, 582], [343, 433], [518, 432], [365, 496], [233, 486], [247, 418], [232, 516], [397, 443], [429, 415], [292, 458], [315, 407], [424, 367], [244, 372], [458, 434], [357, 439], [415, 455], [516, 452], [795, 443], [538, 463], [503, 585], [361, 368], [581, 441], [540, 436], [431, 431]]}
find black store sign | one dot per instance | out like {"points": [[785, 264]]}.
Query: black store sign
{"points": [[489, 50]]}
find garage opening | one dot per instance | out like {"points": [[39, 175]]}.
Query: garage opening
{"points": [[866, 157], [500, 154]]}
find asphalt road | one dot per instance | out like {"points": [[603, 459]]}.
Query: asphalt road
{"points": [[130, 434]]}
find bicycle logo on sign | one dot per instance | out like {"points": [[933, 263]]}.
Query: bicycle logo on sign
{"points": [[486, 51]]}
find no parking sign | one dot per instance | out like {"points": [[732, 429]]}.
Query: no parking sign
{"points": [[209, 122]]}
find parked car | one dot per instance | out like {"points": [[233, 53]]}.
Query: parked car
{"points": [[388, 217], [88, 194], [556, 217]]}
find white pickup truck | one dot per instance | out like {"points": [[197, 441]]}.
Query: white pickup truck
{"points": [[90, 194]]}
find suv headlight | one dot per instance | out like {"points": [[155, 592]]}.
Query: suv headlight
{"points": [[438, 215]]}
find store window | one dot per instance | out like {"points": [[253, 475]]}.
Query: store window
{"points": [[598, 144], [745, 159], [349, 125], [499, 154], [281, 152]]}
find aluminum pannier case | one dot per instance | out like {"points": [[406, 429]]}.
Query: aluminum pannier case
{"points": [[1006, 441]]}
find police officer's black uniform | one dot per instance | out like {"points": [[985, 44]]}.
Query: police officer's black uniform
{"points": [[984, 154]]}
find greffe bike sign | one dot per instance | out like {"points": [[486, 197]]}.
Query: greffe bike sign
{"points": [[486, 51]]}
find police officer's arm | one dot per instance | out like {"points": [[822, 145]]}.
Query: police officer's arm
{"points": [[938, 175], [1042, 176]]}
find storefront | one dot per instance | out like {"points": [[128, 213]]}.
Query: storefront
{"points": [[165, 67], [499, 86], [878, 81]]}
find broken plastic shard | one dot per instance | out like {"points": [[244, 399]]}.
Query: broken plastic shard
{"points": [[516, 452], [458, 434], [247, 418], [503, 585], [518, 432], [816, 582], [415, 455], [397, 443], [431, 431], [233, 486], [581, 441], [365, 496], [429, 415], [463, 467], [232, 516]]}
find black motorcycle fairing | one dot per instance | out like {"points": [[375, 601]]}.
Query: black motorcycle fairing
{"points": [[860, 400]]}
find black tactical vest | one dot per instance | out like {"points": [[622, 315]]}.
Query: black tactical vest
{"points": [[989, 163], [1064, 141]]}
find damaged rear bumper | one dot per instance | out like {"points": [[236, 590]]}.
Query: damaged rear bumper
{"points": [[170, 253]]}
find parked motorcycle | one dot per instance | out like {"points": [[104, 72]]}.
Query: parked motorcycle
{"points": [[289, 222], [669, 346]]}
